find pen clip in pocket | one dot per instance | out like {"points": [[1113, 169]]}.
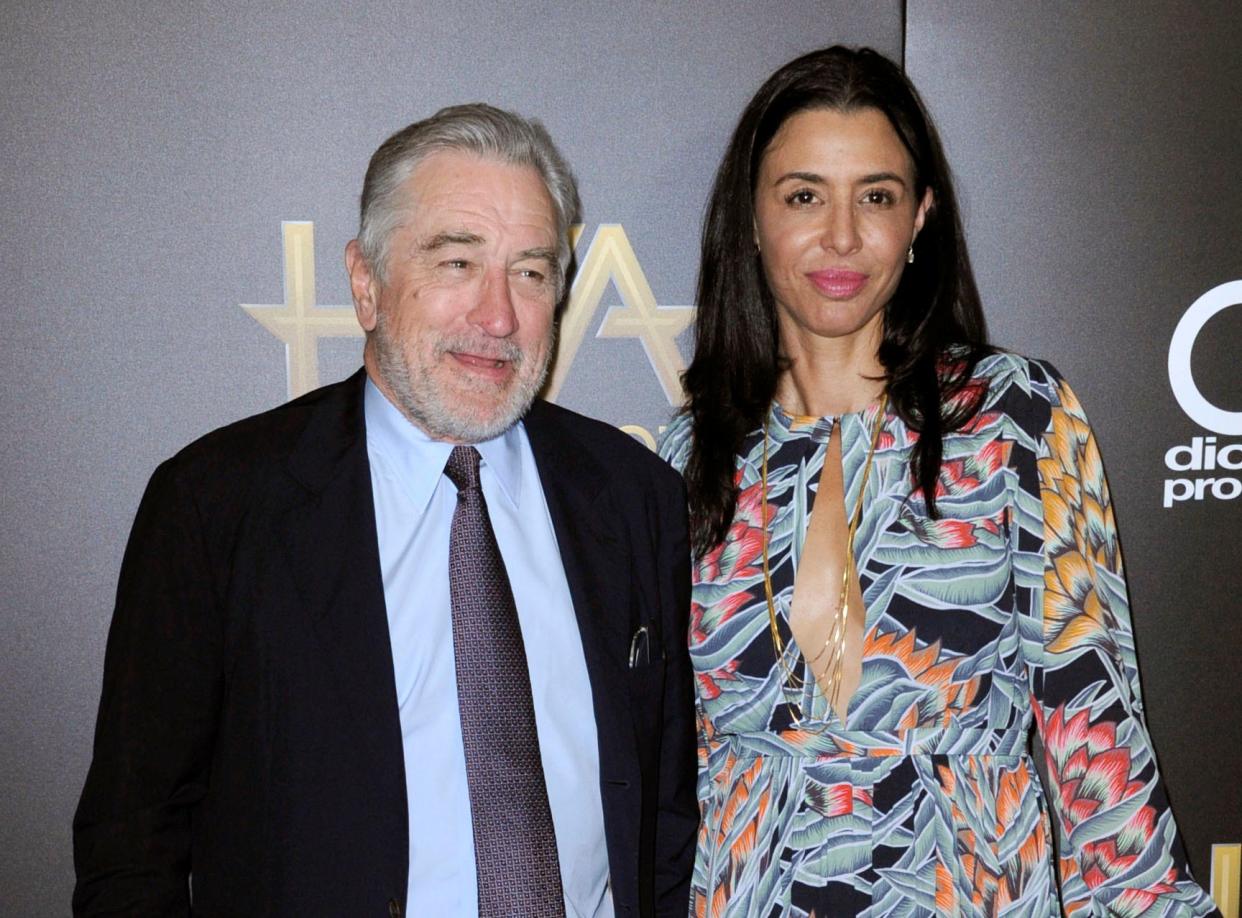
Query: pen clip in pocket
{"points": [[640, 648]]}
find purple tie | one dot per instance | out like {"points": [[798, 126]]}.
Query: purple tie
{"points": [[514, 841]]}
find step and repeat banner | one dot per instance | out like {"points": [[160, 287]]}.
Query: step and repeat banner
{"points": [[179, 182]]}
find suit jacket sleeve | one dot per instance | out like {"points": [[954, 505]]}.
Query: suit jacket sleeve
{"points": [[157, 715], [678, 820]]}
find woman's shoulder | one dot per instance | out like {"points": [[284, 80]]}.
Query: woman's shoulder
{"points": [[1003, 369], [677, 441], [1025, 388]]}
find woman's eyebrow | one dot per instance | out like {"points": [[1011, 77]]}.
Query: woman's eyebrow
{"points": [[816, 179], [813, 177], [882, 177]]}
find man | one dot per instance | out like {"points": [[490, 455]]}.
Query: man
{"points": [[415, 642]]}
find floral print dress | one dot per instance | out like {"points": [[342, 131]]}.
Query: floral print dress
{"points": [[1006, 615]]}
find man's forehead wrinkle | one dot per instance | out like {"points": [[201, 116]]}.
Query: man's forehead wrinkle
{"points": [[466, 207], [453, 199], [470, 211]]}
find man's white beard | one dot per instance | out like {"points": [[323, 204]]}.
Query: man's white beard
{"points": [[417, 391]]}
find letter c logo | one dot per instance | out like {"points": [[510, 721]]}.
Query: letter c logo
{"points": [[1198, 408]]}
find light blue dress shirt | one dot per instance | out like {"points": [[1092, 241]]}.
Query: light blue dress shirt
{"points": [[414, 505]]}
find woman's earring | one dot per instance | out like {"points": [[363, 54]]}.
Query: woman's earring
{"points": [[910, 254]]}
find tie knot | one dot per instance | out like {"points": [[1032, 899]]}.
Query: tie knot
{"points": [[463, 467]]}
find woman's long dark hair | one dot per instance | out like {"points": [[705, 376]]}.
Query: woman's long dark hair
{"points": [[934, 331]]}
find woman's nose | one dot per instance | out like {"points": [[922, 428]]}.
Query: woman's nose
{"points": [[841, 230]]}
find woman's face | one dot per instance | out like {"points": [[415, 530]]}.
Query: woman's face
{"points": [[835, 211]]}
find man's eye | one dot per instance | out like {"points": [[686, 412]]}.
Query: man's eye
{"points": [[458, 264], [532, 274]]}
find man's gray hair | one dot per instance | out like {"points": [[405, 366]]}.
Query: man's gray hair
{"points": [[476, 128]]}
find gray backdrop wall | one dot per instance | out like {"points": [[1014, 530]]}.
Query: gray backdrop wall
{"points": [[179, 180]]}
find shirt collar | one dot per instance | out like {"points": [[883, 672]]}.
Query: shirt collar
{"points": [[420, 460]]}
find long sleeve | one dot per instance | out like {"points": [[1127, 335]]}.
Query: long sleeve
{"points": [[1120, 850], [157, 717]]}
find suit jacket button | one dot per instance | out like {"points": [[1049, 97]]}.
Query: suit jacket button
{"points": [[394, 908]]}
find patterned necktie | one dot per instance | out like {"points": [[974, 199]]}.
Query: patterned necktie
{"points": [[514, 841]]}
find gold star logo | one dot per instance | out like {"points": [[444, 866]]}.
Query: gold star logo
{"points": [[300, 323], [611, 258]]}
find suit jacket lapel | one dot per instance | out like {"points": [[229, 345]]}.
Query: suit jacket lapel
{"points": [[330, 538], [596, 558]]}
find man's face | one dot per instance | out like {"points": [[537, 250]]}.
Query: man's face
{"points": [[460, 331]]}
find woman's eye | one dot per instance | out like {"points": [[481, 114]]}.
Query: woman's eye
{"points": [[879, 196], [803, 197]]}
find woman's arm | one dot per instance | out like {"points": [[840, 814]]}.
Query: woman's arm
{"points": [[1121, 854]]}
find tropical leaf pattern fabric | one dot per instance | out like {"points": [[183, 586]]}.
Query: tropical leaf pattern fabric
{"points": [[1006, 615]]}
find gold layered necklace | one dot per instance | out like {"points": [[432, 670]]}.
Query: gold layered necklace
{"points": [[834, 645]]}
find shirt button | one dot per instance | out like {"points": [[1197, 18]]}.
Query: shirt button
{"points": [[394, 908]]}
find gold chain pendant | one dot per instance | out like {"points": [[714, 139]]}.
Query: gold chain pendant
{"points": [[835, 642]]}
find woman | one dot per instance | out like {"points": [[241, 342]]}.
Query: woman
{"points": [[905, 553]]}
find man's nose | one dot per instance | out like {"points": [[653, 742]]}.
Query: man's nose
{"points": [[493, 312]]}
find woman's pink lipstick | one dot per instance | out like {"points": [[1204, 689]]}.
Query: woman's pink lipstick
{"points": [[837, 284]]}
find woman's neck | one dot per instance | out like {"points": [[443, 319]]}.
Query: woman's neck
{"points": [[831, 376]]}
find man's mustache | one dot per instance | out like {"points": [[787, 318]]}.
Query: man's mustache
{"points": [[482, 346]]}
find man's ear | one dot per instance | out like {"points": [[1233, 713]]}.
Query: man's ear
{"points": [[363, 285]]}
